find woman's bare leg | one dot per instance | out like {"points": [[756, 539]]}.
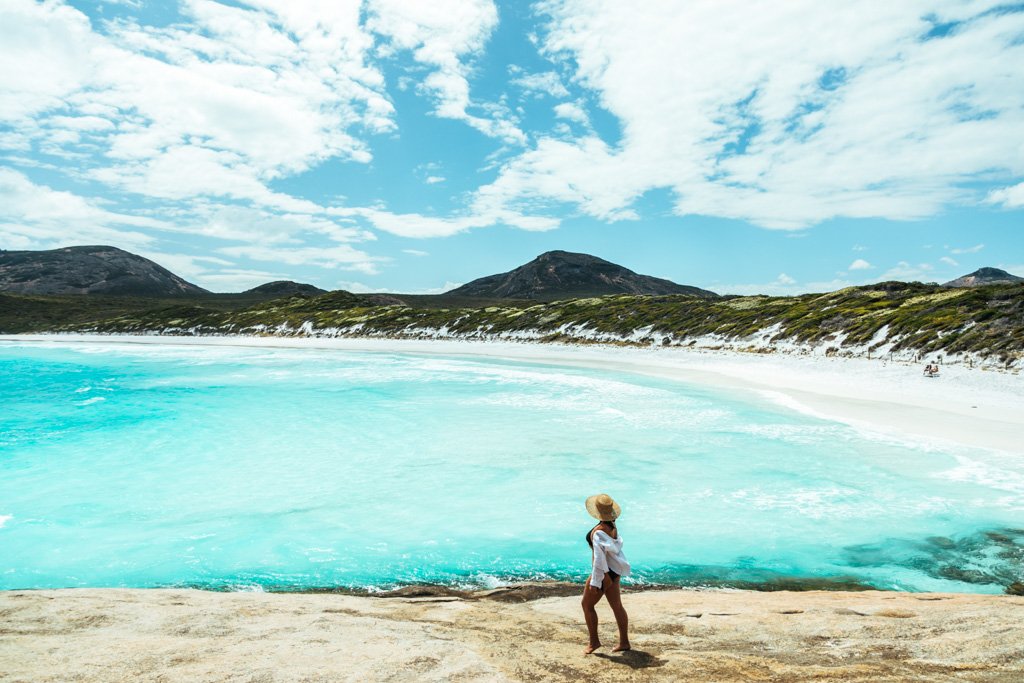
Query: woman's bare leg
{"points": [[611, 589], [591, 596]]}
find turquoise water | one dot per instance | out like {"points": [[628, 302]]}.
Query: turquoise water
{"points": [[126, 465]]}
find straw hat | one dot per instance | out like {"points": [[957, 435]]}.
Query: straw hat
{"points": [[602, 507]]}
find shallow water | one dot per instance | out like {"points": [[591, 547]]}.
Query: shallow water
{"points": [[127, 465]]}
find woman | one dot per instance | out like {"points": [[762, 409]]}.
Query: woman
{"points": [[609, 565]]}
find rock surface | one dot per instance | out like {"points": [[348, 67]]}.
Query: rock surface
{"points": [[184, 635], [89, 270], [563, 274], [984, 276]]}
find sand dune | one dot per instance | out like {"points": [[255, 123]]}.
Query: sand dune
{"points": [[185, 635]]}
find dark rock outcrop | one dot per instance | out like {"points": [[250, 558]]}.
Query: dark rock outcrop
{"points": [[89, 270], [984, 276], [563, 275]]}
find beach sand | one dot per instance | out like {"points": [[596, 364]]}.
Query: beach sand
{"points": [[108, 635]]}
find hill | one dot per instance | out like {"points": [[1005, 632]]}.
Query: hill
{"points": [[985, 276], [284, 288], [89, 270], [898, 320], [902, 321], [565, 275]]}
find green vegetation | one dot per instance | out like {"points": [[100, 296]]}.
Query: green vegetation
{"points": [[985, 322]]}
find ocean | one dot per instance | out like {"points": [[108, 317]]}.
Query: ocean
{"points": [[293, 469]]}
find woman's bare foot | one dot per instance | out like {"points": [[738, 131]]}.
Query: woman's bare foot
{"points": [[590, 648], [622, 647]]}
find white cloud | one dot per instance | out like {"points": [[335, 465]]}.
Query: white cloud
{"points": [[261, 91], [415, 252], [359, 287], [232, 222], [584, 172], [38, 217], [905, 271], [186, 265], [968, 250], [572, 111], [781, 286], [186, 171], [949, 261], [210, 272], [430, 173], [784, 114], [236, 279], [545, 83], [1010, 197], [442, 35], [860, 264], [340, 256], [84, 123], [798, 112], [420, 226], [446, 287], [859, 247], [417, 225], [44, 56], [239, 97], [218, 106]]}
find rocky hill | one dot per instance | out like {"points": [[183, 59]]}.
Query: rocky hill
{"points": [[983, 323], [565, 275], [985, 276], [89, 270], [285, 288], [892, 320]]}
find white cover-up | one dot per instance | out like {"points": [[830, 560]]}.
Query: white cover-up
{"points": [[607, 555]]}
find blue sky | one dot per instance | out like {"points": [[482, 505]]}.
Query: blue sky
{"points": [[392, 145]]}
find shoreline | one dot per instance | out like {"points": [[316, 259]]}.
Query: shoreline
{"points": [[168, 635], [964, 406], [523, 591]]}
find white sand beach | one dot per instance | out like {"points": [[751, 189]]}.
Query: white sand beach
{"points": [[969, 406]]}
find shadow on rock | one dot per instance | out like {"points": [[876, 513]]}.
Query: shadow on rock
{"points": [[634, 659]]}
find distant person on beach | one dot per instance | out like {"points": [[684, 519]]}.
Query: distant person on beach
{"points": [[609, 565]]}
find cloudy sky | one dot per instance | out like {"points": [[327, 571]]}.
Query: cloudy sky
{"points": [[399, 145]]}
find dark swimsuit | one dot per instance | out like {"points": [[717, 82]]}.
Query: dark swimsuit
{"points": [[613, 575]]}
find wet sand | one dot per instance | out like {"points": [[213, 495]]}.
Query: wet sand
{"points": [[172, 635]]}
